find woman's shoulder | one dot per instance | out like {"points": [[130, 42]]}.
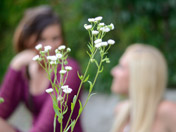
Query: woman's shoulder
{"points": [[167, 107], [167, 113]]}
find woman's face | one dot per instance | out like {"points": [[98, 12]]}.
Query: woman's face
{"points": [[120, 75], [52, 36]]}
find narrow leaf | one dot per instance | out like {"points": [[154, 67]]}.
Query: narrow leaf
{"points": [[88, 53], [102, 68], [73, 103], [80, 108], [91, 86], [80, 76], [85, 80]]}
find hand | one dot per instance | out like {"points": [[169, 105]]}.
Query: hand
{"points": [[22, 59], [5, 127]]}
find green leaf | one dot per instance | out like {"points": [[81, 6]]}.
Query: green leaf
{"points": [[56, 108], [65, 111], [91, 95], [91, 86], [73, 103], [65, 62], [89, 47], [85, 80], [80, 108], [88, 53], [80, 76], [60, 117], [102, 68], [96, 63], [71, 125]]}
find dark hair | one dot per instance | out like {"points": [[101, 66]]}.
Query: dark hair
{"points": [[35, 20]]}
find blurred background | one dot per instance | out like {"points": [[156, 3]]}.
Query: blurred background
{"points": [[144, 21]]}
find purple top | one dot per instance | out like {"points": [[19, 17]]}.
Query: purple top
{"points": [[15, 88]]}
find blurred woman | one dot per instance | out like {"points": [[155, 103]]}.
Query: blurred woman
{"points": [[142, 75], [25, 81]]}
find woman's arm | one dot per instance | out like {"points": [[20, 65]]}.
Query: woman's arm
{"points": [[22, 59], [5, 127], [12, 88], [11, 91]]}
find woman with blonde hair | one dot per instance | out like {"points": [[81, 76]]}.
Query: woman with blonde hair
{"points": [[142, 75]]}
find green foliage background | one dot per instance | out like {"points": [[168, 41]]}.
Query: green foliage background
{"points": [[144, 21]]}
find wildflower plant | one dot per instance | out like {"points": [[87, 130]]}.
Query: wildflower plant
{"points": [[59, 91]]}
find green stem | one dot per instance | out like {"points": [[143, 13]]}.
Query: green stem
{"points": [[96, 76], [78, 93], [55, 122], [62, 118]]}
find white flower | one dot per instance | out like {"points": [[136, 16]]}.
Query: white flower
{"points": [[104, 43], [94, 32], [105, 29], [99, 18], [47, 48], [42, 52], [98, 45], [67, 90], [36, 58], [101, 24], [68, 49], [98, 41], [91, 20], [49, 90], [87, 27], [38, 47], [52, 58], [53, 62], [110, 41], [68, 68], [62, 47], [62, 71], [56, 51], [59, 98], [111, 26], [64, 86], [59, 55], [101, 28]]}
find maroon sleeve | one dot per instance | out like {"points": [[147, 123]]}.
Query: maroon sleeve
{"points": [[11, 91], [44, 121]]}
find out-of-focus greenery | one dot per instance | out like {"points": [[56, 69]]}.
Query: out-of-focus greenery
{"points": [[144, 21]]}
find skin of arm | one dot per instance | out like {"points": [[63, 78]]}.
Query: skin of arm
{"points": [[5, 127], [22, 59], [168, 115]]}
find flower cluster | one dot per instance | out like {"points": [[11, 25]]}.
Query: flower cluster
{"points": [[51, 61], [66, 89], [98, 29], [59, 90]]}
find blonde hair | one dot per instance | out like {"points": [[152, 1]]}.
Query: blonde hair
{"points": [[148, 79]]}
